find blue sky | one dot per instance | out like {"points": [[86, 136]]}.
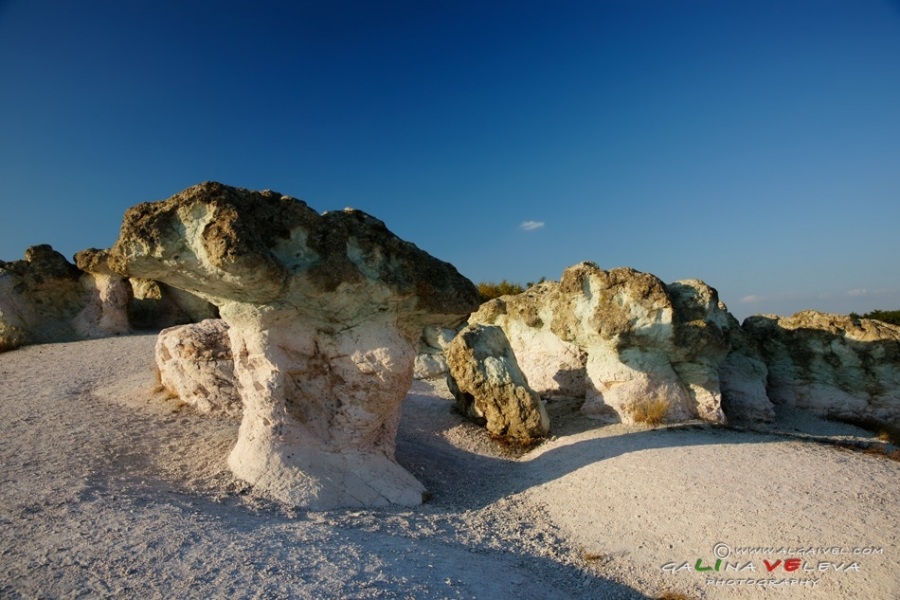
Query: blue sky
{"points": [[751, 144]]}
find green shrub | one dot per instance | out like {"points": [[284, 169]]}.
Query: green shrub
{"points": [[490, 290], [886, 316]]}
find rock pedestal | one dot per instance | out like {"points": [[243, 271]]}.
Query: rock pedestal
{"points": [[108, 295], [324, 314]]}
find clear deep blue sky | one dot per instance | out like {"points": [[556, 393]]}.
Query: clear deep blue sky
{"points": [[751, 144]]}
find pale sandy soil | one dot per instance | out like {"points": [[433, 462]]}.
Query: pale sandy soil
{"points": [[110, 490]]}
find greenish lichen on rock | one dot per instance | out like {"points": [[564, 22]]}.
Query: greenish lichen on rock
{"points": [[834, 365]]}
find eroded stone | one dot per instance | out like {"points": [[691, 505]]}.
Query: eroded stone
{"points": [[324, 314]]}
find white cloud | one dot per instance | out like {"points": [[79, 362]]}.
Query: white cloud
{"points": [[531, 225], [752, 298], [862, 292]]}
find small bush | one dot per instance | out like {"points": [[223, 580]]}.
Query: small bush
{"points": [[650, 412], [488, 290]]}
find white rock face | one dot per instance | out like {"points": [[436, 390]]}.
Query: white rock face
{"points": [[622, 338], [831, 364], [554, 367], [195, 364], [489, 386], [108, 294], [324, 315], [321, 420], [430, 362], [742, 378], [430, 365]]}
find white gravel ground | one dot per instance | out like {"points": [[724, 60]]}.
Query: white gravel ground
{"points": [[110, 490]]}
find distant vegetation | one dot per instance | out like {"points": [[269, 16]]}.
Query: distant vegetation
{"points": [[490, 290], [887, 316]]}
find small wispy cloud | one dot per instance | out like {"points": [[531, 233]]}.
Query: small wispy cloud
{"points": [[752, 298], [531, 225]]}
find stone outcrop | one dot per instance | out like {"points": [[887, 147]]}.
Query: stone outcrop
{"points": [[622, 338], [833, 365], [195, 364], [108, 295], [44, 298], [554, 366], [430, 362], [40, 297], [742, 378], [489, 386], [324, 314]]}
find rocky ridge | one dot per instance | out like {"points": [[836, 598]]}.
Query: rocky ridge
{"points": [[45, 298]]}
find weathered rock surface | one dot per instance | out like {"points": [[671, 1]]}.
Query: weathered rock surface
{"points": [[833, 365], [489, 386], [430, 362], [623, 338], [554, 366], [107, 297], [45, 298], [40, 297], [324, 313], [195, 364], [155, 305]]}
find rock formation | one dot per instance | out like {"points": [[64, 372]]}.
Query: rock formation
{"points": [[430, 362], [155, 305], [107, 297], [554, 366], [489, 386], [40, 297], [833, 365], [45, 298], [324, 312], [195, 364], [623, 338]]}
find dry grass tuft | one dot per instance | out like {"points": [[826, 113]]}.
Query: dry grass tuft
{"points": [[650, 412], [588, 556], [673, 596], [516, 446]]}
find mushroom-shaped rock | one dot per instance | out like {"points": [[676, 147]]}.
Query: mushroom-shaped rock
{"points": [[490, 388], [324, 314], [195, 364]]}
